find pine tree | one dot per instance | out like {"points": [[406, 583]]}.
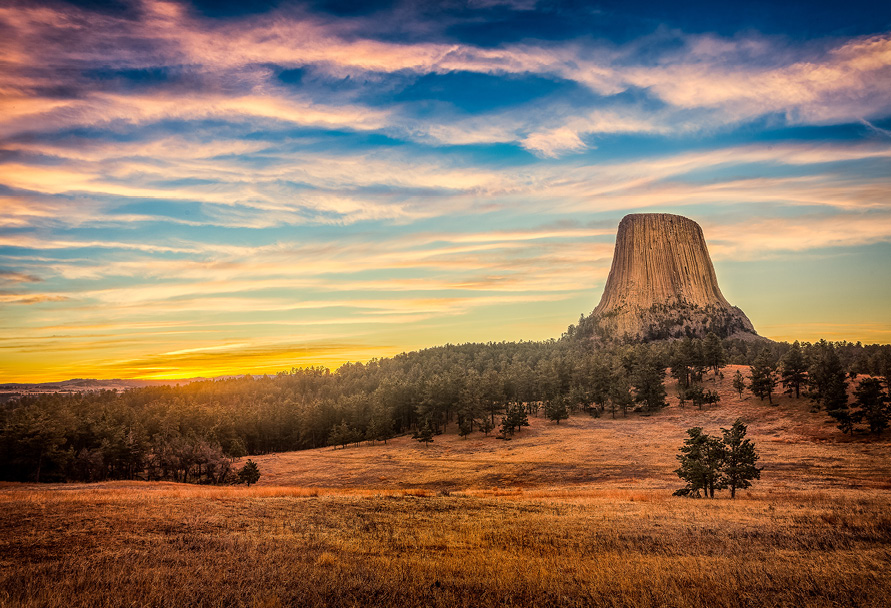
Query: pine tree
{"points": [[600, 383], [740, 458], [649, 382], [380, 428], [486, 425], [249, 473], [555, 410], [763, 376], [425, 433], [713, 352], [694, 355], [829, 385], [739, 383], [620, 391], [506, 430], [465, 427], [680, 363], [517, 415], [341, 435], [682, 394], [873, 405], [793, 370], [696, 395], [701, 459]]}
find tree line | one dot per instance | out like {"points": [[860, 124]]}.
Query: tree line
{"points": [[818, 372], [194, 432]]}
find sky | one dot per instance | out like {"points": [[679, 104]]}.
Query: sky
{"points": [[216, 187]]}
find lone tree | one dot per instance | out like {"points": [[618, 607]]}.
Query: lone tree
{"points": [[738, 469], [249, 473], [701, 458], [425, 433], [739, 383], [764, 379], [793, 370]]}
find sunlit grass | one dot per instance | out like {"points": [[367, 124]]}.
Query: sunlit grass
{"points": [[579, 514]]}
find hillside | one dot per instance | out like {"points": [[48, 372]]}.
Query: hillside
{"points": [[800, 450]]}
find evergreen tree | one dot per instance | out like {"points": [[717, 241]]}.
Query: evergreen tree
{"points": [[701, 459], [793, 370], [713, 352], [620, 396], [699, 396], [828, 385], [738, 469], [425, 433], [249, 473], [873, 405], [380, 427], [465, 427], [739, 383], [555, 410], [486, 425], [341, 435], [695, 357], [696, 395], [649, 382], [682, 394], [763, 376], [517, 415], [679, 361], [600, 383]]}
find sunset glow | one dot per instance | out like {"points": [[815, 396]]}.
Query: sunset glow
{"points": [[191, 191]]}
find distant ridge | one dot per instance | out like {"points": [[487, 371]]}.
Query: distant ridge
{"points": [[662, 285], [92, 384]]}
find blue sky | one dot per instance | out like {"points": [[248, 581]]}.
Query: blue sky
{"points": [[210, 188]]}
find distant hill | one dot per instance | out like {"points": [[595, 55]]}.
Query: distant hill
{"points": [[80, 385]]}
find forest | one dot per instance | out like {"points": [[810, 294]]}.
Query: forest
{"points": [[195, 432]]}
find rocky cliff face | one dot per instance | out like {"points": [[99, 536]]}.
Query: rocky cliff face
{"points": [[662, 285]]}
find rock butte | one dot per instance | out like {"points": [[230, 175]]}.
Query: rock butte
{"points": [[662, 284]]}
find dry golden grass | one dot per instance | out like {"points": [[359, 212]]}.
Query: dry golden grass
{"points": [[575, 515], [157, 546]]}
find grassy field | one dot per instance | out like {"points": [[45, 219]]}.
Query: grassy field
{"points": [[579, 514]]}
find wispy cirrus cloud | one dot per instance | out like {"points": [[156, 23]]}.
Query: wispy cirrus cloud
{"points": [[726, 80], [203, 187]]}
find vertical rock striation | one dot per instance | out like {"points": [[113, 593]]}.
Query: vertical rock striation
{"points": [[662, 284]]}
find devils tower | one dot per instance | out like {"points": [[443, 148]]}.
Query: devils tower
{"points": [[662, 285]]}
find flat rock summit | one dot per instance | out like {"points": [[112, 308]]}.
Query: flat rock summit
{"points": [[662, 285]]}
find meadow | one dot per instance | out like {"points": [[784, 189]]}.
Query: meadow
{"points": [[575, 514]]}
